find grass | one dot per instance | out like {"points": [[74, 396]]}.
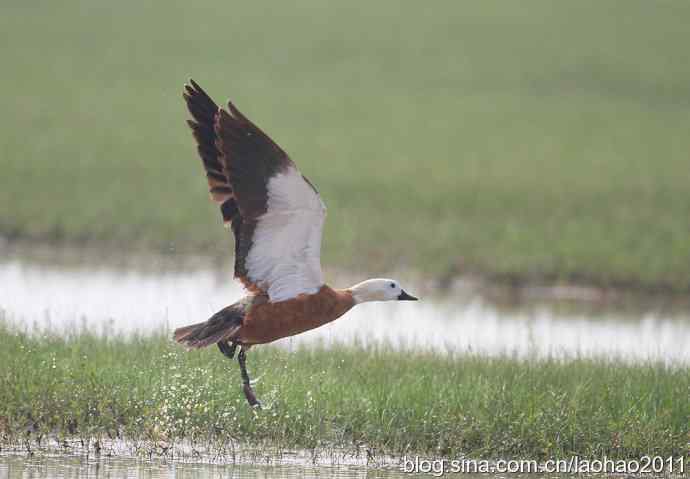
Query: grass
{"points": [[532, 140], [147, 389]]}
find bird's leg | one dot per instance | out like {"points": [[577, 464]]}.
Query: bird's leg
{"points": [[248, 392], [228, 349]]}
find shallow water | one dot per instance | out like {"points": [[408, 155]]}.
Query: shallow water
{"points": [[83, 467], [21, 466], [149, 295]]}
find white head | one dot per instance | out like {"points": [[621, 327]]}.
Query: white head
{"points": [[379, 289]]}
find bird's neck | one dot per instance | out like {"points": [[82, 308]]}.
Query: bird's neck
{"points": [[361, 293]]}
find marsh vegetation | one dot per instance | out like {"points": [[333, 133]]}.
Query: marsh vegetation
{"points": [[394, 402]]}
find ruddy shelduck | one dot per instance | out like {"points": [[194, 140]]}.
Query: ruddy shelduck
{"points": [[277, 216]]}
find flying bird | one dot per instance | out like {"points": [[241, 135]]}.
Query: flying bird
{"points": [[277, 216]]}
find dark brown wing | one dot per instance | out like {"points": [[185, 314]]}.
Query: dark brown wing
{"points": [[204, 111], [251, 159], [277, 243]]}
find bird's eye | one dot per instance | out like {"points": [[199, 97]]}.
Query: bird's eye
{"points": [[392, 285]]}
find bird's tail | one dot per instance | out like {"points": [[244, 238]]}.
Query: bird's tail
{"points": [[219, 327]]}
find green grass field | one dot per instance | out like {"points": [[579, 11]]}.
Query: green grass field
{"points": [[530, 140], [147, 389]]}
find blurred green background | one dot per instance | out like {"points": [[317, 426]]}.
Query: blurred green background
{"points": [[526, 140]]}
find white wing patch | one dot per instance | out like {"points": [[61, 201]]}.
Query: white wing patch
{"points": [[285, 257]]}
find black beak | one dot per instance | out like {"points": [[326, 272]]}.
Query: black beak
{"points": [[406, 297]]}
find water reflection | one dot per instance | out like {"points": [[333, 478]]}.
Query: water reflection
{"points": [[16, 466], [118, 299], [86, 467]]}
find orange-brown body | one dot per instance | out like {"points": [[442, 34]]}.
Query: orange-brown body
{"points": [[265, 322]]}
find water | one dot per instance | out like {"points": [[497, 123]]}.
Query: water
{"points": [[83, 467], [145, 295], [15, 466]]}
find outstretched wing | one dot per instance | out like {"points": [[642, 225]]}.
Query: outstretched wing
{"points": [[275, 213]]}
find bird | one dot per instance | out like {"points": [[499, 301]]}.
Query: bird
{"points": [[276, 216]]}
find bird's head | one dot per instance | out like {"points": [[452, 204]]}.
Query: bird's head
{"points": [[379, 289]]}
